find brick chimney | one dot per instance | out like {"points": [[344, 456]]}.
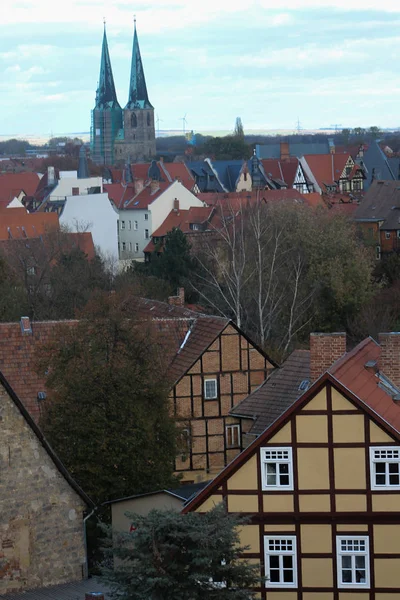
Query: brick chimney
{"points": [[179, 299], [325, 349], [389, 360], [285, 151]]}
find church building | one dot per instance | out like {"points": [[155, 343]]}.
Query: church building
{"points": [[122, 134]]}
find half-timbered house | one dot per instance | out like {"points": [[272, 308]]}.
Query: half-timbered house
{"points": [[321, 488], [333, 173]]}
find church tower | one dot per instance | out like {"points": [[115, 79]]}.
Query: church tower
{"points": [[107, 113], [139, 137]]}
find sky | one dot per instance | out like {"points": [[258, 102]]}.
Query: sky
{"points": [[271, 62]]}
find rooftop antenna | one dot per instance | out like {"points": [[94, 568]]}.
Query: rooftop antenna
{"points": [[298, 126], [134, 20], [158, 121], [184, 122], [104, 22], [336, 126]]}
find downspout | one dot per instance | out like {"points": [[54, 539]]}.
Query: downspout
{"points": [[86, 565]]}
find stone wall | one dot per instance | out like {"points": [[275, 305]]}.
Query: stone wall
{"points": [[41, 516]]}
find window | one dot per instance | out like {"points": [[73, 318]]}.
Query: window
{"points": [[277, 470], [135, 225], [122, 224], [194, 226], [123, 246], [130, 246], [136, 247], [280, 561], [352, 557], [232, 434], [387, 235], [398, 234], [133, 121], [385, 468], [75, 191], [146, 234], [304, 385], [146, 216], [148, 120], [129, 224], [378, 253], [210, 389]]}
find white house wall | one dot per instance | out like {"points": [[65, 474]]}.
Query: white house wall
{"points": [[162, 206], [309, 174], [94, 213], [65, 185]]}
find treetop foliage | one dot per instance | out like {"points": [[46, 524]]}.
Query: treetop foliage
{"points": [[171, 556]]}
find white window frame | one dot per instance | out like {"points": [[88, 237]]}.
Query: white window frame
{"points": [[375, 458], [135, 225], [146, 234], [268, 552], [146, 216], [129, 224], [353, 554], [122, 224], [136, 247], [388, 235], [234, 427], [206, 396], [267, 457]]}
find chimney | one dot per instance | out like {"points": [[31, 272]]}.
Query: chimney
{"points": [[154, 186], [179, 299], [325, 349], [139, 185], [331, 144], [389, 360], [176, 204], [285, 151], [51, 178], [26, 326], [83, 169]]}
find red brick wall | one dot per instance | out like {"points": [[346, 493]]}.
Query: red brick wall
{"points": [[389, 362], [325, 349]]}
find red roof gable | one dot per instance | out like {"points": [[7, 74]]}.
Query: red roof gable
{"points": [[12, 184], [17, 223], [119, 193], [283, 170], [326, 168], [182, 219], [180, 172]]}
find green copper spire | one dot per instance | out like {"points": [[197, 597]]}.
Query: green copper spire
{"points": [[138, 97], [106, 96]]}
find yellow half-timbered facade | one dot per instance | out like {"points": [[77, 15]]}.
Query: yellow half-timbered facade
{"points": [[322, 489]]}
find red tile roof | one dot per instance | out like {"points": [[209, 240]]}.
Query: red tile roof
{"points": [[12, 184], [178, 171], [125, 197], [119, 193], [284, 170], [326, 168], [182, 219], [17, 223]]}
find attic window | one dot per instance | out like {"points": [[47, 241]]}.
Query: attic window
{"points": [[210, 389], [304, 385], [41, 396]]}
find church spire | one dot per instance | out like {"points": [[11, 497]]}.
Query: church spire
{"points": [[138, 97], [106, 96]]}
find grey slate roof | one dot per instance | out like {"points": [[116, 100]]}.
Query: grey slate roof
{"points": [[376, 165], [381, 202], [269, 401], [67, 591], [296, 149], [228, 172]]}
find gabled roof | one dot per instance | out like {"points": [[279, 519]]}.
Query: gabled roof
{"points": [[296, 149], [182, 219], [17, 223], [376, 165], [326, 168], [178, 171], [12, 184], [284, 170], [326, 379], [381, 203], [277, 393], [31, 423]]}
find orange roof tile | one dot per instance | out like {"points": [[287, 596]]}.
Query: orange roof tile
{"points": [[179, 172], [182, 219], [326, 168], [12, 184], [17, 223]]}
